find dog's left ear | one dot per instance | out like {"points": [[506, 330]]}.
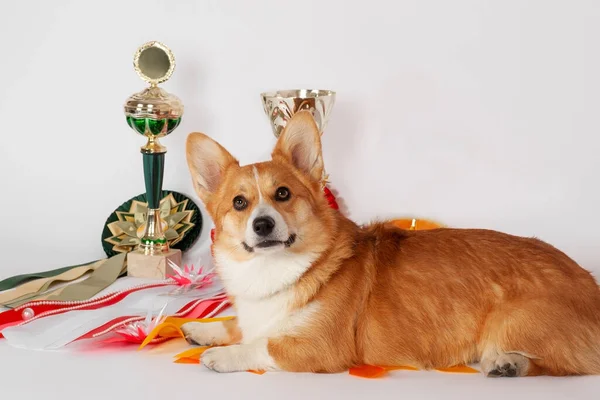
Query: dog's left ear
{"points": [[207, 161], [300, 144]]}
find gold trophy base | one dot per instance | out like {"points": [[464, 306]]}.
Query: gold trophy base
{"points": [[140, 265]]}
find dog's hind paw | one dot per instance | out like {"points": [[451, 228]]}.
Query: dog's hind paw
{"points": [[506, 365]]}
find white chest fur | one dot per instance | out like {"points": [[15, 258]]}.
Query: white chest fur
{"points": [[261, 287], [272, 317], [263, 318]]}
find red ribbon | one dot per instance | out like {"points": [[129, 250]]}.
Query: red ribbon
{"points": [[330, 198]]}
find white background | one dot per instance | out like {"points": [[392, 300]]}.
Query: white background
{"points": [[474, 113]]}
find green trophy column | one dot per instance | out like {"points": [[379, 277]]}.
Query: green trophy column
{"points": [[154, 167], [154, 240]]}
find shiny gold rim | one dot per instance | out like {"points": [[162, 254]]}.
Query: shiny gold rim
{"points": [[298, 93]]}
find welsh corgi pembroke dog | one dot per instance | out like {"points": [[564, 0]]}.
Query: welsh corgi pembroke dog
{"points": [[315, 292]]}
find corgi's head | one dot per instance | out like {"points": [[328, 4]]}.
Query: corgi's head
{"points": [[271, 218]]}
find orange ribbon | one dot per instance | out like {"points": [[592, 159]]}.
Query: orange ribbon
{"points": [[376, 371], [171, 328]]}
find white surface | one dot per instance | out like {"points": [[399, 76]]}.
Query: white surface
{"points": [[123, 373], [129, 374], [477, 114]]}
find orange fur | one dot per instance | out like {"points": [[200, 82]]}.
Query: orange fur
{"points": [[389, 296]]}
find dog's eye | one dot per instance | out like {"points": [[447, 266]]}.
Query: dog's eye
{"points": [[282, 194], [239, 203]]}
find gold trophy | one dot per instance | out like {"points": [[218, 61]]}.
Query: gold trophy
{"points": [[282, 104], [153, 113]]}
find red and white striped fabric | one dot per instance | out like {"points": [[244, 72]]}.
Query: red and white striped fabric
{"points": [[53, 326], [202, 308]]}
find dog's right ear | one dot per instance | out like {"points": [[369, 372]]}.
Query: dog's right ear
{"points": [[207, 161], [300, 145]]}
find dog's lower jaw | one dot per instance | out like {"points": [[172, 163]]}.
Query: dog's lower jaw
{"points": [[273, 243], [240, 357]]}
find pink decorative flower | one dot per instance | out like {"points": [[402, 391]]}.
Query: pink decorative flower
{"points": [[137, 331], [189, 276]]}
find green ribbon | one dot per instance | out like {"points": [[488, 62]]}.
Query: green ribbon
{"points": [[14, 281], [41, 286], [101, 278]]}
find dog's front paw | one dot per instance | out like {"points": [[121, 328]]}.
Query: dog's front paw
{"points": [[204, 333], [223, 359]]}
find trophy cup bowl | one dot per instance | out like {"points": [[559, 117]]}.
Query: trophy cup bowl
{"points": [[153, 113], [282, 104]]}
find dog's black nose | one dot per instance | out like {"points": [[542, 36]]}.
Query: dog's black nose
{"points": [[263, 226]]}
